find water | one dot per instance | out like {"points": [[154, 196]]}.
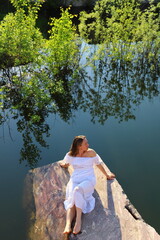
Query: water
{"points": [[118, 111], [130, 149]]}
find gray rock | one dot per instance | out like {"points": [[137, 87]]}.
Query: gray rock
{"points": [[114, 217]]}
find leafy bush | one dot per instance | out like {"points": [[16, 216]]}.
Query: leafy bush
{"points": [[38, 74], [20, 40], [123, 29], [62, 47], [119, 20]]}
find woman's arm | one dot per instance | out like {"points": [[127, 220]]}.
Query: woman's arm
{"points": [[109, 176]]}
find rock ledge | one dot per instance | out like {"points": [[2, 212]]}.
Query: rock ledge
{"points": [[114, 217]]}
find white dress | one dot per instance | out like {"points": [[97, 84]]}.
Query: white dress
{"points": [[82, 181]]}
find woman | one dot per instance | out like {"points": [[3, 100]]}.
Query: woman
{"points": [[81, 184]]}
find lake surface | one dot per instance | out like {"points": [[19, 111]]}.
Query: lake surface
{"points": [[118, 109], [130, 149]]}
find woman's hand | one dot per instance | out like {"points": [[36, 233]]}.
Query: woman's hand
{"points": [[63, 165], [110, 176]]}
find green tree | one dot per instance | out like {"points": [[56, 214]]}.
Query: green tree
{"points": [[118, 19], [62, 46], [28, 5], [44, 77], [123, 29], [20, 40]]}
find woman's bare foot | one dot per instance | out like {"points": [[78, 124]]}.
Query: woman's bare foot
{"points": [[67, 229], [77, 227]]}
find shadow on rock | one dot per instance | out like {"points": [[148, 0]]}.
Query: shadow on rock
{"points": [[101, 223]]}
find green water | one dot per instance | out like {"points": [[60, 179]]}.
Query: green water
{"points": [[130, 149]]}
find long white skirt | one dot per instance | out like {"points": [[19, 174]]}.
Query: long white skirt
{"points": [[80, 195]]}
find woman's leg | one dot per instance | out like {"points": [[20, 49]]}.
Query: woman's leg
{"points": [[77, 226], [69, 217]]}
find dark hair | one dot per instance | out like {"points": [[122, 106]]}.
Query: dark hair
{"points": [[76, 143]]}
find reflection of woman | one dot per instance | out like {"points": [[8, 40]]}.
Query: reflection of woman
{"points": [[81, 184]]}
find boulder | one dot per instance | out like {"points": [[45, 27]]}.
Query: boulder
{"points": [[114, 217]]}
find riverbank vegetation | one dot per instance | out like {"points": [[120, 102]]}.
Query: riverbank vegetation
{"points": [[123, 28], [106, 65], [36, 73]]}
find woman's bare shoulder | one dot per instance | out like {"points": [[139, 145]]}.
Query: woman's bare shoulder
{"points": [[69, 154], [90, 153]]}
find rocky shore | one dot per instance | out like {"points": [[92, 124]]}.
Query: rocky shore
{"points": [[114, 217]]}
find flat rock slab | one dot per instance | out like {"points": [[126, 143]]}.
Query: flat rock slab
{"points": [[114, 217]]}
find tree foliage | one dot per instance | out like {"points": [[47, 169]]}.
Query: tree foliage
{"points": [[28, 5], [61, 46], [20, 40], [119, 20], [57, 75], [123, 30], [38, 74]]}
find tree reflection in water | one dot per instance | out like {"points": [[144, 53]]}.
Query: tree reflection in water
{"points": [[102, 85], [117, 86]]}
